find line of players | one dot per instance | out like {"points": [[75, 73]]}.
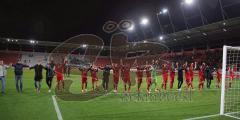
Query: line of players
{"points": [[123, 71], [168, 70]]}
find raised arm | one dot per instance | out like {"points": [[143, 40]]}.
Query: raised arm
{"points": [[80, 69], [135, 63], [6, 66], [45, 67], [101, 68], [32, 67], [25, 65]]}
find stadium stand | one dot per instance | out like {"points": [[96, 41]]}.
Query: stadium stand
{"points": [[211, 56], [9, 57]]}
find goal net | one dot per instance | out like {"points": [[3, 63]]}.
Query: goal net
{"points": [[230, 88]]}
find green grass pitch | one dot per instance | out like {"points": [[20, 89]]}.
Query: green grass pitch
{"points": [[33, 106]]}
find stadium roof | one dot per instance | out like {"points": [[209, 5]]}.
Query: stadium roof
{"points": [[213, 35]]}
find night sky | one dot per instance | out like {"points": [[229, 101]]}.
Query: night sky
{"points": [[57, 20]]}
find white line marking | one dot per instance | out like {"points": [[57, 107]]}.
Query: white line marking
{"points": [[196, 118], [59, 115], [231, 116], [233, 113]]}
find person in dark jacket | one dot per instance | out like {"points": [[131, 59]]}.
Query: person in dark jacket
{"points": [[208, 76], [68, 70], [38, 75], [49, 74], [18, 71], [180, 75], [106, 73]]}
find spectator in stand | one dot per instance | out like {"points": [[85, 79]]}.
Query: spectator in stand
{"points": [[3, 73], [18, 71]]}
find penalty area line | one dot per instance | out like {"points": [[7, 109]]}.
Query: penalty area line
{"points": [[202, 117], [59, 115]]}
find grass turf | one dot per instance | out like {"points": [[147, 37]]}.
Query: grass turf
{"points": [[29, 105]]}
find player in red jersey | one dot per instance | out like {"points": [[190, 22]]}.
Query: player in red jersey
{"points": [[191, 70], [188, 77], [219, 76], [148, 69], [59, 74], [200, 78], [139, 73], [116, 70], [93, 71], [231, 75], [235, 69], [122, 74], [84, 71], [172, 74], [125, 69], [165, 76]]}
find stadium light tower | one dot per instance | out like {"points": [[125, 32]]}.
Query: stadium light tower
{"points": [[190, 3], [144, 22], [166, 11]]}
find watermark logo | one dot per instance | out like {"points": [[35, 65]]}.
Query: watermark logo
{"points": [[84, 51]]}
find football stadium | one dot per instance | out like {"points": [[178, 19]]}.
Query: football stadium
{"points": [[120, 60]]}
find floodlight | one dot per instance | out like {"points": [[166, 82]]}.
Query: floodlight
{"points": [[144, 21], [188, 2], [161, 37], [84, 45], [164, 10]]}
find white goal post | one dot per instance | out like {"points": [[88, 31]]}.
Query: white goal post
{"points": [[230, 87]]}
